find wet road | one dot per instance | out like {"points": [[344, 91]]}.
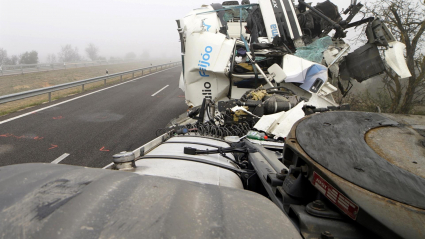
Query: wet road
{"points": [[87, 129]]}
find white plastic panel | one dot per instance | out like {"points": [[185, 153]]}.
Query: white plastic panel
{"points": [[395, 59]]}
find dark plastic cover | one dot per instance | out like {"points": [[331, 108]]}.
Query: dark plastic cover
{"points": [[364, 63], [336, 140], [63, 201]]}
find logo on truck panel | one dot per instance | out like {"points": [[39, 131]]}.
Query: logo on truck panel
{"points": [[207, 91], [205, 25], [274, 30], [203, 63]]}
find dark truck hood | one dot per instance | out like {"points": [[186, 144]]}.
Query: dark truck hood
{"points": [[63, 201]]}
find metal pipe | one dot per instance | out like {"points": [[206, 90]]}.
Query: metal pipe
{"points": [[339, 55], [259, 69]]}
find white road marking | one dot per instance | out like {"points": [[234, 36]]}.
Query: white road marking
{"points": [[107, 166], [62, 157], [66, 101], [160, 90]]}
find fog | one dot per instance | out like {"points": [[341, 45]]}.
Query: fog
{"points": [[116, 27]]}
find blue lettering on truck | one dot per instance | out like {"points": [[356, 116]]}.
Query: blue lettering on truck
{"points": [[203, 63], [205, 25], [274, 30]]}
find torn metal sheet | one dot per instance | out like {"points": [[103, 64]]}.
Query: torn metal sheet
{"points": [[280, 124], [394, 56]]}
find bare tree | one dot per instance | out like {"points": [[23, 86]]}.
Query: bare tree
{"points": [[12, 60], [92, 51], [130, 56], [3, 56], [69, 54], [145, 55], [51, 58], [406, 20]]}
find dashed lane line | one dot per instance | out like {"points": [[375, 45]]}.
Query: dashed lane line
{"points": [[60, 158], [160, 90]]}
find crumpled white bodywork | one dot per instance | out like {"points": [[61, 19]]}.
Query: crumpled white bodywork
{"points": [[205, 63], [209, 56]]}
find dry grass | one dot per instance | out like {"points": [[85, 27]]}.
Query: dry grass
{"points": [[19, 83], [370, 102]]}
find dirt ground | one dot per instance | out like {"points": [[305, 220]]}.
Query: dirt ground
{"points": [[18, 83]]}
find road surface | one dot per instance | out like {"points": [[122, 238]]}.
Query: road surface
{"points": [[87, 129]]}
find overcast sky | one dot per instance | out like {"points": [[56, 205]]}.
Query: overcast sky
{"points": [[115, 26]]}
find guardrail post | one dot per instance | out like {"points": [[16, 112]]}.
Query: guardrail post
{"points": [[104, 82], [50, 96], [143, 72], [120, 78], [82, 90], [133, 74]]}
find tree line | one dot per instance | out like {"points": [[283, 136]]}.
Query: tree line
{"points": [[30, 57], [67, 53]]}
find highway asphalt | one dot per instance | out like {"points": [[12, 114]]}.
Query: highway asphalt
{"points": [[91, 127]]}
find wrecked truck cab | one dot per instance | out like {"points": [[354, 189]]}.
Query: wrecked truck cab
{"points": [[228, 49], [254, 157]]}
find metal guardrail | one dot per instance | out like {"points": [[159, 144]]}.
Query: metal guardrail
{"points": [[50, 89], [6, 70]]}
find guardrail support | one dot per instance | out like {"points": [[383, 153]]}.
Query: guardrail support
{"points": [[120, 78], [82, 90], [104, 82], [50, 96], [133, 74]]}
